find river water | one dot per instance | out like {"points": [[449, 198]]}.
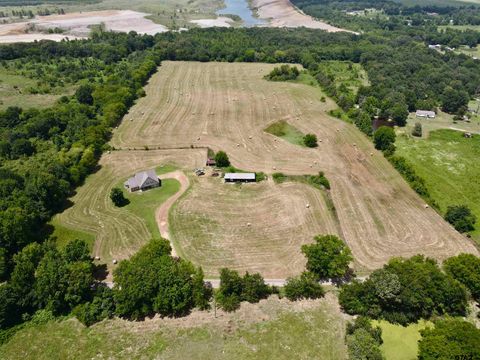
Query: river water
{"points": [[240, 8]]}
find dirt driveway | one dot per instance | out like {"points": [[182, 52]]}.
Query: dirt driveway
{"points": [[162, 212]]}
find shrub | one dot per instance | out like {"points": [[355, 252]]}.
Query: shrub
{"points": [[384, 138], [304, 286], [117, 197], [417, 130], [310, 140], [361, 345], [234, 289], [221, 159], [279, 177], [319, 180], [461, 217], [101, 307], [230, 291], [283, 73]]}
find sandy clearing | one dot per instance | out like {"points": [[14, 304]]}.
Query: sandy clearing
{"points": [[162, 212], [77, 25], [25, 38], [220, 21], [227, 106], [282, 13], [114, 20]]}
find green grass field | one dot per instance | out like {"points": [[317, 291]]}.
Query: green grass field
{"points": [[449, 164], [400, 342], [345, 72], [473, 52], [64, 235], [271, 330], [442, 121], [284, 130], [460, 27], [14, 91]]}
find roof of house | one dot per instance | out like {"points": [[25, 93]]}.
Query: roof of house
{"points": [[139, 179], [239, 176], [425, 113]]}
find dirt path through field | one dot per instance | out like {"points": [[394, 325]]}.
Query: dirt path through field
{"points": [[162, 212]]}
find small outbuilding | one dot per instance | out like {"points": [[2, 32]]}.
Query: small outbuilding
{"points": [[211, 162], [240, 177], [143, 181], [425, 114]]}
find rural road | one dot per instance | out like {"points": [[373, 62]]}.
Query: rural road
{"points": [[162, 212], [272, 282]]}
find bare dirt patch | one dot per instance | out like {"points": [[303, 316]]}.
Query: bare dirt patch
{"points": [[228, 106], [114, 20], [77, 25], [282, 13]]}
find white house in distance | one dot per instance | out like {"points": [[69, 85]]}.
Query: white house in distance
{"points": [[143, 180], [240, 177], [425, 114]]}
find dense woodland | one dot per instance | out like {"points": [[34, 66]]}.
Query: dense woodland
{"points": [[46, 154]]}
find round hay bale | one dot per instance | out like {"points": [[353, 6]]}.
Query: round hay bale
{"points": [[307, 206], [97, 258], [114, 261], [426, 206]]}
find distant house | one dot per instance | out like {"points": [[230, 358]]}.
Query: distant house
{"points": [[143, 181], [240, 177], [211, 162], [425, 114]]}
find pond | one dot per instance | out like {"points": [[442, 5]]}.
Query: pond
{"points": [[241, 8]]}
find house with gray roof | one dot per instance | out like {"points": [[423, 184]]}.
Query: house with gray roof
{"points": [[143, 180]]}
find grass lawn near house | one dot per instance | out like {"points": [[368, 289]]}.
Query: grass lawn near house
{"points": [[144, 204], [400, 342]]}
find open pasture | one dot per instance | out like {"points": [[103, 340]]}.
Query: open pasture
{"points": [[228, 106], [271, 329], [120, 232], [449, 164]]}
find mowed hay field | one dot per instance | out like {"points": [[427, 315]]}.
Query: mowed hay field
{"points": [[120, 232], [253, 227], [228, 106]]}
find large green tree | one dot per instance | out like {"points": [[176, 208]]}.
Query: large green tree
{"points": [[466, 269], [328, 257], [450, 339]]}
